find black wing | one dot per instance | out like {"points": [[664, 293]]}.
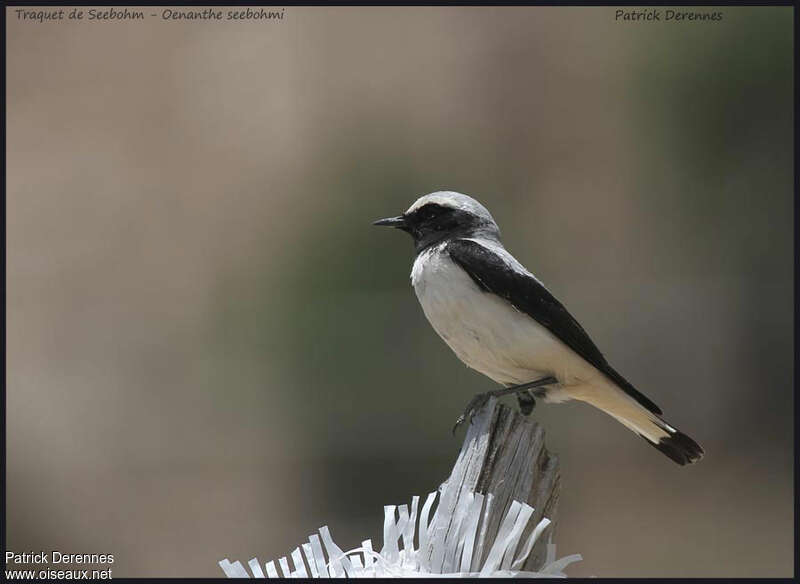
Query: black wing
{"points": [[492, 274]]}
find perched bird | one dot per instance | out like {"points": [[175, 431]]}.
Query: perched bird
{"points": [[500, 320]]}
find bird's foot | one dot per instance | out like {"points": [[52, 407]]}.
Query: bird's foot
{"points": [[526, 403], [474, 405], [523, 391]]}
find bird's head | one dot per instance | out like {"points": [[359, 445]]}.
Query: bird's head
{"points": [[443, 215]]}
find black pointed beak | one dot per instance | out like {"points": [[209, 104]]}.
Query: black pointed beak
{"points": [[398, 222]]}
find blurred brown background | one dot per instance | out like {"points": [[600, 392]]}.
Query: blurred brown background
{"points": [[211, 352]]}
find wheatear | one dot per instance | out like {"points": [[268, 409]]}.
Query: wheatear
{"points": [[500, 320]]}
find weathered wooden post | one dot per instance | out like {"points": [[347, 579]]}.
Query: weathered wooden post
{"points": [[504, 455], [494, 517]]}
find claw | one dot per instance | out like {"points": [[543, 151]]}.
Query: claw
{"points": [[475, 404]]}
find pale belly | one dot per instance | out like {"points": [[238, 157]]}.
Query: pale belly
{"points": [[486, 332]]}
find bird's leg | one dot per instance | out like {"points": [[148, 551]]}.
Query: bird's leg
{"points": [[523, 386], [477, 402]]}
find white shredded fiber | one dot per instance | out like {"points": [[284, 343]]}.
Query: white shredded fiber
{"points": [[438, 554]]}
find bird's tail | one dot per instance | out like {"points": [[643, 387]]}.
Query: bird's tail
{"points": [[634, 416]]}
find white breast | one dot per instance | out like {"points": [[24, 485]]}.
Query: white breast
{"points": [[485, 331]]}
